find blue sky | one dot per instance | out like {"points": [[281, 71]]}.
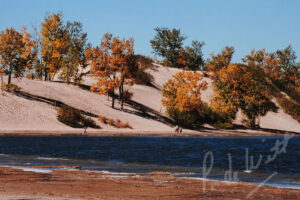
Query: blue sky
{"points": [[244, 24]]}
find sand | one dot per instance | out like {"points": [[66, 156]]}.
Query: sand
{"points": [[76, 184], [34, 109]]}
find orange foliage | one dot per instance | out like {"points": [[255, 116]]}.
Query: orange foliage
{"points": [[112, 64], [16, 51], [244, 87], [115, 123], [182, 59], [183, 91], [220, 60]]}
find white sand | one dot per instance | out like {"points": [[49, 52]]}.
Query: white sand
{"points": [[18, 113]]}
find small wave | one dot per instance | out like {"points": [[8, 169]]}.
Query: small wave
{"points": [[248, 171], [51, 158], [183, 173], [116, 173], [31, 169]]}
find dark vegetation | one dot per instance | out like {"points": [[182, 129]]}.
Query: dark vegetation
{"points": [[73, 117]]}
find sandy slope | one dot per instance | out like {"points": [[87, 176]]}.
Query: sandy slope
{"points": [[19, 113]]}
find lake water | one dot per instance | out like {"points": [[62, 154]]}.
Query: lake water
{"points": [[276, 160]]}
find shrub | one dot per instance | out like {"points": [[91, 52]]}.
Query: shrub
{"points": [[185, 119], [143, 78], [196, 119], [30, 75], [73, 117], [89, 122], [115, 123], [103, 119], [223, 125], [10, 87], [127, 95]]}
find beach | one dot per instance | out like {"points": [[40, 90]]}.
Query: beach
{"points": [[131, 132], [76, 184]]}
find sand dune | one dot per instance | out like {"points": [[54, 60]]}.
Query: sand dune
{"points": [[35, 109]]}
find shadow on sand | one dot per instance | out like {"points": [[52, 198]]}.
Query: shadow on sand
{"points": [[139, 110]]}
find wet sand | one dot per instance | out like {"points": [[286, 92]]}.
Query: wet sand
{"points": [[130, 132], [76, 184]]}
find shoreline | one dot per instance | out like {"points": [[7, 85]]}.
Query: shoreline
{"points": [[44, 169], [77, 184], [130, 132]]}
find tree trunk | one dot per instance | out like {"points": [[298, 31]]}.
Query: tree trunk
{"points": [[46, 75], [9, 78], [252, 122], [113, 100], [122, 96]]}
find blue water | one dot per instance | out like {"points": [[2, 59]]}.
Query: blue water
{"points": [[196, 157]]}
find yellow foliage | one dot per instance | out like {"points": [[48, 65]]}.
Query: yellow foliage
{"points": [[183, 91], [54, 42]]}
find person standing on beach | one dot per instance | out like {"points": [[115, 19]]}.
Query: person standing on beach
{"points": [[85, 127], [180, 130], [176, 128]]}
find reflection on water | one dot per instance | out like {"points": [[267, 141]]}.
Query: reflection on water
{"points": [[182, 156]]}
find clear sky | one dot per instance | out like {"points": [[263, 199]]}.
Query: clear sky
{"points": [[244, 24]]}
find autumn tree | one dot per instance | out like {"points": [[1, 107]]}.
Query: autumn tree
{"points": [[166, 43], [280, 67], [54, 43], [182, 94], [112, 63], [30, 52], [75, 52], [219, 61], [290, 71], [191, 57], [16, 51], [244, 87], [182, 59]]}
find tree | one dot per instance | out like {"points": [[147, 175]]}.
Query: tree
{"points": [[183, 91], [112, 64], [191, 58], [279, 66], [289, 70], [15, 51], [166, 43], [75, 52], [182, 98], [245, 88], [37, 69], [30, 53], [219, 61], [182, 59], [54, 43], [194, 56]]}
